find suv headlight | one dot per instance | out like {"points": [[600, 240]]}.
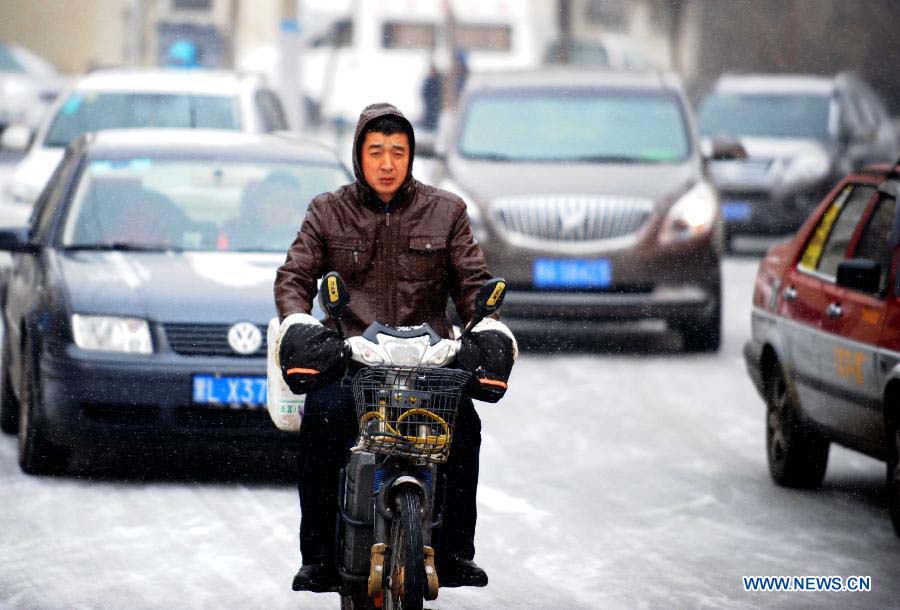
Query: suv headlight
{"points": [[692, 215], [476, 217], [112, 334], [808, 167]]}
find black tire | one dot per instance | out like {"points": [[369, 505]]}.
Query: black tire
{"points": [[701, 335], [797, 454], [893, 476], [37, 455], [406, 588], [9, 406]]}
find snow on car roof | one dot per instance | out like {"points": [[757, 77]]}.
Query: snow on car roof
{"points": [[210, 82], [775, 83], [201, 141]]}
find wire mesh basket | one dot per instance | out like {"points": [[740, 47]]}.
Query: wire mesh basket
{"points": [[408, 411]]}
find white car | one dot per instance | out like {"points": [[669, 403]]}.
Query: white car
{"points": [[125, 99], [28, 85]]}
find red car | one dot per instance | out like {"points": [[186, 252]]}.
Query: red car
{"points": [[825, 352]]}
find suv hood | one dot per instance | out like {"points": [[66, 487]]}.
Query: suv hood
{"points": [[771, 163], [486, 180], [774, 148]]}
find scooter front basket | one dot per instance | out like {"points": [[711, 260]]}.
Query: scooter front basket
{"points": [[408, 411]]}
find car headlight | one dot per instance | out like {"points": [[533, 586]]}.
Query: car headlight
{"points": [[692, 215], [112, 334], [476, 217], [808, 167]]}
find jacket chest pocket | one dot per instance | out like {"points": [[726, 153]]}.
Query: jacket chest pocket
{"points": [[347, 256], [424, 259]]}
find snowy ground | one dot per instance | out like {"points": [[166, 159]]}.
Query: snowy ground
{"points": [[617, 474], [629, 476]]}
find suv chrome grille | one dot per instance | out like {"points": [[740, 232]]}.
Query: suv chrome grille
{"points": [[570, 219], [206, 340]]}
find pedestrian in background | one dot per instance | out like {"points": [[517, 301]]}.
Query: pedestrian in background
{"points": [[432, 98]]}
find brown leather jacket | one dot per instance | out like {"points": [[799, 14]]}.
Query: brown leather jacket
{"points": [[400, 260]]}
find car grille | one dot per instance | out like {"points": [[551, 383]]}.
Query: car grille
{"points": [[570, 219], [206, 340]]}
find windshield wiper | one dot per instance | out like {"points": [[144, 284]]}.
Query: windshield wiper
{"points": [[119, 246], [611, 159], [488, 157]]}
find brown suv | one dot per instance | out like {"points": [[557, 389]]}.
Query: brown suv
{"points": [[587, 192]]}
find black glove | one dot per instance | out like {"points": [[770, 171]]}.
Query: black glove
{"points": [[489, 356], [312, 356]]}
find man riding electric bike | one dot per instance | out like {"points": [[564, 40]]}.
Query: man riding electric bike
{"points": [[403, 248]]}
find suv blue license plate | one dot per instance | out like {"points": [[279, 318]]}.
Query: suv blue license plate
{"points": [[230, 391], [572, 273]]}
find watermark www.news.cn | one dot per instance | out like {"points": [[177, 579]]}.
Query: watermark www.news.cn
{"points": [[807, 583]]}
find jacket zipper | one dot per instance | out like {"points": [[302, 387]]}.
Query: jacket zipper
{"points": [[387, 269]]}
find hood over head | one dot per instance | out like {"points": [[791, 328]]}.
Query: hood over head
{"points": [[369, 114]]}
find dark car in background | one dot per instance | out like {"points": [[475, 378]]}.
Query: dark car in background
{"points": [[138, 298], [587, 193], [801, 134], [825, 350]]}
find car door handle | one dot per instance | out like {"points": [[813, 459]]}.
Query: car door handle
{"points": [[790, 293], [834, 310]]}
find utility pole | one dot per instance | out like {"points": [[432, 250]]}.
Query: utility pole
{"points": [[565, 30], [289, 66]]}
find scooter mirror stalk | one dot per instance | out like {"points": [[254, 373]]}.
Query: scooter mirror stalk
{"points": [[334, 297], [488, 300]]}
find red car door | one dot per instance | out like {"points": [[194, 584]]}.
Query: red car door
{"points": [[855, 320], [809, 294]]}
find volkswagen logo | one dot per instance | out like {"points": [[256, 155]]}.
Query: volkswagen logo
{"points": [[244, 338]]}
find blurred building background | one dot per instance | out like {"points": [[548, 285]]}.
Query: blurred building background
{"points": [[699, 39]]}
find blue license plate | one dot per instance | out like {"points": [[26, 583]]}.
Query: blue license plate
{"points": [[736, 210], [572, 273], [230, 391]]}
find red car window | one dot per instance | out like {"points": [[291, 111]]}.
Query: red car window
{"points": [[832, 236], [874, 243]]}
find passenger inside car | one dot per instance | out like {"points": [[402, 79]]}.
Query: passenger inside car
{"points": [[270, 212], [122, 211]]}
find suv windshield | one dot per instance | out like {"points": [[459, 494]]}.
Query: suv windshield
{"points": [[193, 204], [778, 115], [575, 125], [86, 111]]}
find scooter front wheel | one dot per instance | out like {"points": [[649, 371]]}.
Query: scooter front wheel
{"points": [[357, 601], [406, 588]]}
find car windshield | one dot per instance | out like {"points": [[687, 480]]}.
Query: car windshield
{"points": [[766, 115], [193, 204], [575, 125], [86, 111]]}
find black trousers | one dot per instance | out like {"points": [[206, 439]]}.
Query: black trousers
{"points": [[328, 431]]}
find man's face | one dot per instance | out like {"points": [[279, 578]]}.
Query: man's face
{"points": [[385, 161]]}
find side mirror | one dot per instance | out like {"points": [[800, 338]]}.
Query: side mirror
{"points": [[723, 148], [488, 300], [16, 137], [15, 239], [860, 274], [333, 295]]}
